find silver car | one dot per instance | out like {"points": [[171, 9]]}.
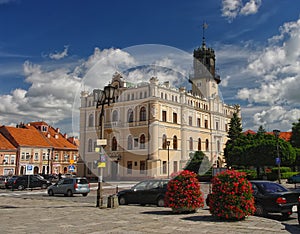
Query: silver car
{"points": [[70, 186]]}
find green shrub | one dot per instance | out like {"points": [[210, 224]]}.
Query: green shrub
{"points": [[282, 169], [286, 175]]}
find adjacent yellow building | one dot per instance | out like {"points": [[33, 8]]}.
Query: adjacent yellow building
{"points": [[152, 127]]}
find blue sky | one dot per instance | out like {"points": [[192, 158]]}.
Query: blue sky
{"points": [[48, 47]]}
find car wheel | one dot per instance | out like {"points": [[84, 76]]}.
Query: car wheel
{"points": [[44, 186], [21, 187], [160, 202], [84, 194], [50, 192], [122, 200], [69, 193], [259, 210], [285, 216]]}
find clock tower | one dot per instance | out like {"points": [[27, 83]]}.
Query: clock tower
{"points": [[205, 80]]}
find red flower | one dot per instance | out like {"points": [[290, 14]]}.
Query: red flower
{"points": [[231, 196], [184, 192]]}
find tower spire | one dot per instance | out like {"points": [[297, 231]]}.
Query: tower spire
{"points": [[204, 26]]}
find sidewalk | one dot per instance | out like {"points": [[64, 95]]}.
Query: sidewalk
{"points": [[19, 215]]}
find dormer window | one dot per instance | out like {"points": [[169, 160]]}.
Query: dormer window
{"points": [[44, 128]]}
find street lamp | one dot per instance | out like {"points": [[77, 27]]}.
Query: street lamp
{"points": [[276, 133], [101, 98], [48, 165], [168, 144]]}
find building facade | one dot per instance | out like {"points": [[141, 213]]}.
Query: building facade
{"points": [[37, 144], [153, 128]]}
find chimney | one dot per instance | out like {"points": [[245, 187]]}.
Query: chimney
{"points": [[57, 130], [66, 136]]}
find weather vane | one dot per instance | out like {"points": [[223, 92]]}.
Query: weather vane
{"points": [[204, 26]]}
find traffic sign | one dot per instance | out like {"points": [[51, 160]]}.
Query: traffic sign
{"points": [[277, 161], [102, 158], [29, 169], [71, 168], [101, 164], [71, 161]]}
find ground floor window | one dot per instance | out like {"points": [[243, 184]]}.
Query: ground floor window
{"points": [[164, 167], [129, 167], [142, 167], [175, 166]]}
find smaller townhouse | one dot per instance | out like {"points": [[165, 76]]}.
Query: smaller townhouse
{"points": [[37, 144], [7, 157], [32, 148], [64, 150]]}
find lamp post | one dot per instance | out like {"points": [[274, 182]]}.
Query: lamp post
{"points": [[101, 98], [276, 133], [168, 144], [48, 165]]}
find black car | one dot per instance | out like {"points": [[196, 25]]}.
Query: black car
{"points": [[271, 197], [145, 192], [27, 181]]}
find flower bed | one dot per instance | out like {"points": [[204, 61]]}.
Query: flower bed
{"points": [[183, 193], [231, 196]]}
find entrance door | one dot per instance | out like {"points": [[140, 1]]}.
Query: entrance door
{"points": [[114, 170]]}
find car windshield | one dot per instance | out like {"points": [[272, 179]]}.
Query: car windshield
{"points": [[81, 181], [272, 187]]}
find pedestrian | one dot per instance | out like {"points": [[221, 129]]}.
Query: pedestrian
{"points": [[59, 176]]}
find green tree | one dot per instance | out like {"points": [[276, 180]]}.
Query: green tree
{"points": [[235, 127], [295, 138], [235, 135], [199, 163]]}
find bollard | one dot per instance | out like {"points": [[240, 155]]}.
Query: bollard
{"points": [[112, 201]]}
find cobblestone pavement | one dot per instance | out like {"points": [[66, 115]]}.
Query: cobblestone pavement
{"points": [[33, 215], [42, 215]]}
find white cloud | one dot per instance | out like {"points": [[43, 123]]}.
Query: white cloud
{"points": [[232, 8], [59, 55], [250, 7], [276, 74]]}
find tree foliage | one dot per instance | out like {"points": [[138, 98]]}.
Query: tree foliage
{"points": [[295, 138], [199, 163]]}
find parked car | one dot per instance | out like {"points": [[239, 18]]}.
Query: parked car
{"points": [[145, 192], [271, 197], [294, 179], [27, 181], [50, 177], [3, 181], [70, 186]]}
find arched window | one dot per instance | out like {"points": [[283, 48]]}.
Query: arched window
{"points": [[90, 145], [142, 141], [91, 120], [164, 142], [218, 146], [191, 144], [129, 143], [143, 114], [175, 142], [114, 144], [130, 116], [207, 145], [115, 116], [199, 144]]}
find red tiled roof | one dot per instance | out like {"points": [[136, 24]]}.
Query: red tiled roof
{"points": [[27, 136], [5, 144], [283, 135], [249, 131], [53, 136]]}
